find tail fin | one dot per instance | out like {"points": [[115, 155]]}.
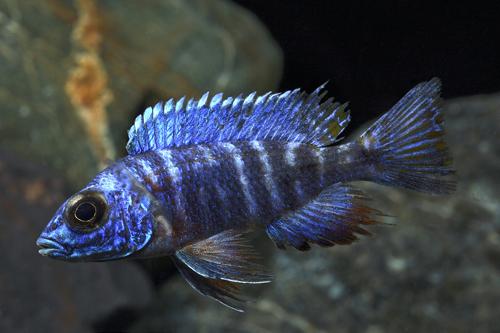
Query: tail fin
{"points": [[407, 143]]}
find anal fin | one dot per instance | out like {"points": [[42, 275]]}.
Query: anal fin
{"points": [[334, 217]]}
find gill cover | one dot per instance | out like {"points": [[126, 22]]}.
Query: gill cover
{"points": [[137, 208]]}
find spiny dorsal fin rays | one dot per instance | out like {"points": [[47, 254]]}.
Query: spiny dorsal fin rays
{"points": [[291, 116]]}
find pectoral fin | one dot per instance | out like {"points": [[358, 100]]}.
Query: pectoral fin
{"points": [[225, 256]]}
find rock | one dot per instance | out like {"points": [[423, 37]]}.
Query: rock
{"points": [[437, 270], [43, 295], [74, 73]]}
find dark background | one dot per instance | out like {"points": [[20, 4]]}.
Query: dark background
{"points": [[373, 52]]}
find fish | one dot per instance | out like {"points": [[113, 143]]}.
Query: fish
{"points": [[200, 174]]}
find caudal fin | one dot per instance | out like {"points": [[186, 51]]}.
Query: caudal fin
{"points": [[407, 143]]}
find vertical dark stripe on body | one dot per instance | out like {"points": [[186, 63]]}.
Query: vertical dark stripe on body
{"points": [[227, 180], [283, 174], [256, 174], [204, 165], [204, 172], [190, 192], [221, 209], [267, 176], [308, 175], [239, 180], [297, 172]]}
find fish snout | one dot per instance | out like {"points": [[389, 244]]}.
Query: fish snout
{"points": [[50, 248]]}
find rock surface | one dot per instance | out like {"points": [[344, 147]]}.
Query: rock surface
{"points": [[129, 53], [436, 270]]}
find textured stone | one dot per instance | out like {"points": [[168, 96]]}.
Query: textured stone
{"points": [[111, 57], [436, 270]]}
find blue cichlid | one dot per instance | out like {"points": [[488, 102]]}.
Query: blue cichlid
{"points": [[201, 173]]}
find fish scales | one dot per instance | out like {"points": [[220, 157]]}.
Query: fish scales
{"points": [[226, 185], [200, 173]]}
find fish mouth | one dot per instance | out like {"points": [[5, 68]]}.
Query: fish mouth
{"points": [[50, 248]]}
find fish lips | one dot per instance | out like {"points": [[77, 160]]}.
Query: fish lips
{"points": [[51, 248]]}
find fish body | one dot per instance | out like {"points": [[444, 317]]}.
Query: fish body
{"points": [[199, 175], [206, 189]]}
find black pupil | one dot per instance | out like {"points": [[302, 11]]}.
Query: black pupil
{"points": [[85, 211]]}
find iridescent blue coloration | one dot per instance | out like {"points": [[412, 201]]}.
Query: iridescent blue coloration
{"points": [[199, 174], [292, 116], [129, 210]]}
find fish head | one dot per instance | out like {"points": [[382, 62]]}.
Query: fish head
{"points": [[108, 219]]}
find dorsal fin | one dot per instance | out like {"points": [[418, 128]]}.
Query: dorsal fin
{"points": [[292, 116]]}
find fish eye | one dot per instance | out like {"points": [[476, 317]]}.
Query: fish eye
{"points": [[86, 211]]}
